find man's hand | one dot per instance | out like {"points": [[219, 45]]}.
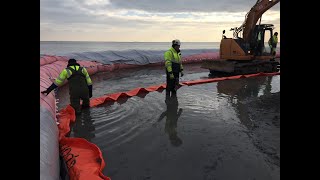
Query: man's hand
{"points": [[171, 76], [50, 88], [45, 92]]}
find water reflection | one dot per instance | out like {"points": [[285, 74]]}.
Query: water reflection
{"points": [[83, 127], [240, 90], [172, 114]]}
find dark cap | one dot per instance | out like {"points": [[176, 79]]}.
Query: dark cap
{"points": [[72, 61]]}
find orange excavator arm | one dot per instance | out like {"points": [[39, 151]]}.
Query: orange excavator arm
{"points": [[253, 16]]}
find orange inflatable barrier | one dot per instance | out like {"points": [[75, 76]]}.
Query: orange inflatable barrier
{"points": [[84, 159], [114, 97], [201, 81]]}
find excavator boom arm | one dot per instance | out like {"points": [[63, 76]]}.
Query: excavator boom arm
{"points": [[253, 16]]}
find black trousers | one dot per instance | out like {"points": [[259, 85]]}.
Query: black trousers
{"points": [[171, 83], [75, 102]]}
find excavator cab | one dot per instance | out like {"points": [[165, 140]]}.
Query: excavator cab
{"points": [[240, 57], [258, 41], [246, 53], [237, 49]]}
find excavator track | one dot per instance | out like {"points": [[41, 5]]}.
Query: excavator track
{"points": [[220, 68]]}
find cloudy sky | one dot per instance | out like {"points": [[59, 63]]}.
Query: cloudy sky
{"points": [[145, 20]]}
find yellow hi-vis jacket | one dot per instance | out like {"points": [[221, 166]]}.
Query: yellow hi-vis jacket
{"points": [[273, 41], [66, 73], [171, 56]]}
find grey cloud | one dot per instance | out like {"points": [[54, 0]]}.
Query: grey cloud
{"points": [[63, 12], [188, 5], [75, 18], [67, 13], [64, 9]]}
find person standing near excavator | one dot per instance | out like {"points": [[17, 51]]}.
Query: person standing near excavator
{"points": [[173, 64], [273, 41]]}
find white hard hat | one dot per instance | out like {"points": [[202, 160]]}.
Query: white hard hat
{"points": [[176, 42]]}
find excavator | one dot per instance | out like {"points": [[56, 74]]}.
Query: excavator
{"points": [[244, 53]]}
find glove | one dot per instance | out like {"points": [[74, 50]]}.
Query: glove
{"points": [[171, 76], [52, 87], [90, 91], [181, 73], [45, 92]]}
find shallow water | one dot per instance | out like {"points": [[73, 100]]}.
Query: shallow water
{"points": [[223, 130]]}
